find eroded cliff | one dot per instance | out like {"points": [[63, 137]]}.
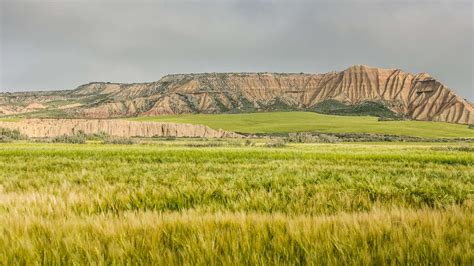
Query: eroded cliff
{"points": [[40, 128], [419, 96]]}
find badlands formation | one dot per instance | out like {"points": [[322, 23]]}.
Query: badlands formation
{"points": [[40, 128], [418, 97]]}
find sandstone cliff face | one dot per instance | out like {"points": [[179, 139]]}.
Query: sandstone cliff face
{"points": [[418, 97], [40, 128]]}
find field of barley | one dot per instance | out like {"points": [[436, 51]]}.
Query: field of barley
{"points": [[227, 201]]}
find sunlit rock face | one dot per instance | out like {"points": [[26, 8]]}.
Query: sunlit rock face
{"points": [[40, 128], [418, 96]]}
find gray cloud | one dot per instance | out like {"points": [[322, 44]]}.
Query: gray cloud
{"points": [[62, 44]]}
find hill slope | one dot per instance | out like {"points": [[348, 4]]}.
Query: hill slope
{"points": [[356, 90]]}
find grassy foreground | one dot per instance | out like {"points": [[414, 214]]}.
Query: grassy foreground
{"points": [[285, 122], [170, 202]]}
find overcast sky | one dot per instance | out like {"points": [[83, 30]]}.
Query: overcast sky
{"points": [[62, 44]]}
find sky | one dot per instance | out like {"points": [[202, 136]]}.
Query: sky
{"points": [[46, 45]]}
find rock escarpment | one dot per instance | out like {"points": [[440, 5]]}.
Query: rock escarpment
{"points": [[40, 128], [419, 96]]}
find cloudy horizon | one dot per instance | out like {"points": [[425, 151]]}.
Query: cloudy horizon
{"points": [[50, 45]]}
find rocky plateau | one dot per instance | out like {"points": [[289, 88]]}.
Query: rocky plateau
{"points": [[358, 90]]}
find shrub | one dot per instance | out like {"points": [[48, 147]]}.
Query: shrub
{"points": [[77, 138], [309, 138], [301, 138], [4, 139], [11, 134], [98, 136], [232, 142], [460, 148], [169, 138], [203, 144], [118, 140], [276, 143], [248, 142], [328, 138]]}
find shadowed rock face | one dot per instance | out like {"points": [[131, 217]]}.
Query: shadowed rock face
{"points": [[418, 96], [40, 128]]}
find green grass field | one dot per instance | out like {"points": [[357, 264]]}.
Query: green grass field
{"points": [[171, 202], [284, 122], [10, 119]]}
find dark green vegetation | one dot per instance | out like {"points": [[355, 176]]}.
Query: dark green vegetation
{"points": [[175, 202], [7, 135], [368, 108], [287, 122], [77, 138], [46, 113], [55, 104], [81, 138]]}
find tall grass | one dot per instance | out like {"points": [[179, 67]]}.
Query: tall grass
{"points": [[173, 203], [377, 237]]}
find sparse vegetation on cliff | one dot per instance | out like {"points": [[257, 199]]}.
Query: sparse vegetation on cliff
{"points": [[366, 108]]}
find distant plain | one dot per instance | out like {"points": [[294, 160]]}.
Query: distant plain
{"points": [[285, 122]]}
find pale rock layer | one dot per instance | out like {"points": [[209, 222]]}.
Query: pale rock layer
{"points": [[41, 128]]}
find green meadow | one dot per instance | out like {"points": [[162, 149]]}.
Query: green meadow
{"points": [[285, 122], [192, 201], [10, 119]]}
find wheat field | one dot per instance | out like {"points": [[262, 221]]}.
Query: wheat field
{"points": [[222, 202]]}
